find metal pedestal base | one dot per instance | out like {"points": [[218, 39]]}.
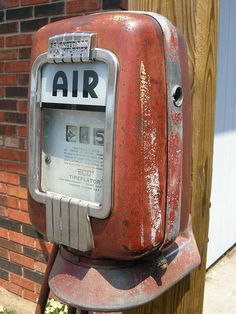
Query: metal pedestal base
{"points": [[114, 288]]}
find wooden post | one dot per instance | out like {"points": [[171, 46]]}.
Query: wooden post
{"points": [[198, 20]]}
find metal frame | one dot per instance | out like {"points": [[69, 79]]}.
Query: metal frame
{"points": [[94, 209]]}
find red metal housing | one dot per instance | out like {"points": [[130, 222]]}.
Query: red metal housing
{"points": [[151, 190]]}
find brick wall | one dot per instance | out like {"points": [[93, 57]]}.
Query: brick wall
{"points": [[23, 251]]}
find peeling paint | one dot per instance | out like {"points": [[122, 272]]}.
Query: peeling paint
{"points": [[150, 168], [142, 235]]}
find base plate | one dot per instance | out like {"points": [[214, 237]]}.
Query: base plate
{"points": [[113, 288]]}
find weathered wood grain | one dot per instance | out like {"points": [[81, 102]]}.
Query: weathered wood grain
{"points": [[198, 20]]}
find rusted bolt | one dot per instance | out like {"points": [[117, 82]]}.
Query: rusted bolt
{"points": [[47, 160], [162, 263], [177, 95]]}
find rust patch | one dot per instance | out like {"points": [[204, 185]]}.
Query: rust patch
{"points": [[176, 117], [149, 143]]}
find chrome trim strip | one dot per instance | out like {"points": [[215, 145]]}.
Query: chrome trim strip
{"points": [[49, 219], [94, 209], [173, 78]]}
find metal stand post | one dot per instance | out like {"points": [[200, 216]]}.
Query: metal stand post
{"points": [[44, 292]]}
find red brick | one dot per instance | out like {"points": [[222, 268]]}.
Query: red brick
{"points": [[2, 66], [19, 40], [4, 283], [9, 154], [7, 105], [22, 156], [12, 202], [22, 105], [15, 117], [3, 211], [15, 167], [9, 245], [9, 3], [18, 215], [23, 205], [22, 144], [7, 79], [4, 233], [37, 288], [25, 53], [7, 130], [1, 91], [9, 178], [78, 6], [16, 92], [9, 201], [43, 245], [21, 239], [22, 282], [4, 253], [7, 28], [23, 79], [40, 267], [1, 41], [17, 191], [22, 260], [2, 117], [29, 2], [22, 131], [3, 188], [29, 295], [8, 54], [14, 288], [17, 66]]}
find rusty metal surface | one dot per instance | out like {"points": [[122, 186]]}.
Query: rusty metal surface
{"points": [[112, 288], [44, 291], [152, 160], [136, 224]]}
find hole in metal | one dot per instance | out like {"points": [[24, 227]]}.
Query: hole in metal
{"points": [[177, 96]]}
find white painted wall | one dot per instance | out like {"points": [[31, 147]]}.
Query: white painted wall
{"points": [[222, 229]]}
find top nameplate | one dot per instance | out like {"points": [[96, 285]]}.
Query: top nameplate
{"points": [[71, 47]]}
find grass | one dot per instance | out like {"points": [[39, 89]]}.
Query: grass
{"points": [[5, 311]]}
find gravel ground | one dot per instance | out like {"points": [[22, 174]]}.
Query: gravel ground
{"points": [[220, 288], [13, 302]]}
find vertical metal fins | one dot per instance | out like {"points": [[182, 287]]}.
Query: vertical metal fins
{"points": [[74, 224], [56, 208], [86, 242], [68, 222], [49, 218], [65, 220]]}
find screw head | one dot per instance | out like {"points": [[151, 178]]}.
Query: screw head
{"points": [[47, 160]]}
